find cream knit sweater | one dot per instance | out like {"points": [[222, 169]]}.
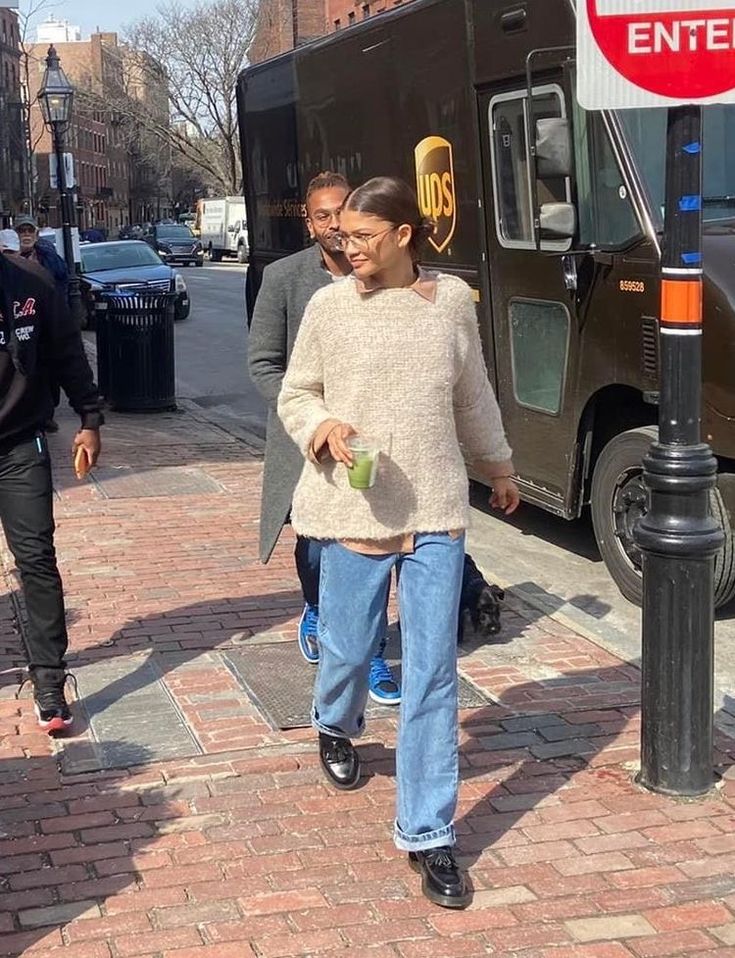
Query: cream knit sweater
{"points": [[408, 373]]}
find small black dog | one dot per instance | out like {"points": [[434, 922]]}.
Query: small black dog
{"points": [[480, 603]]}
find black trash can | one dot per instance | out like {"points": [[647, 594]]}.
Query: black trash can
{"points": [[103, 351], [138, 341]]}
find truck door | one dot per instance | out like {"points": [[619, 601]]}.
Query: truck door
{"points": [[534, 313], [560, 329]]}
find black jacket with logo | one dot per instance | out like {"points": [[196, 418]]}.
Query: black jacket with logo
{"points": [[39, 343]]}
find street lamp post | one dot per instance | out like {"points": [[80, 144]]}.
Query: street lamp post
{"points": [[56, 98]]}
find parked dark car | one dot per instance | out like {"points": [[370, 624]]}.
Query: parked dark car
{"points": [[132, 231], [175, 243], [129, 266]]}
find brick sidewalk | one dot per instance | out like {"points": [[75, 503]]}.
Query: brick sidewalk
{"points": [[241, 849]]}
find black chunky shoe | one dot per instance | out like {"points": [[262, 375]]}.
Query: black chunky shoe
{"points": [[49, 701], [442, 881], [339, 760]]}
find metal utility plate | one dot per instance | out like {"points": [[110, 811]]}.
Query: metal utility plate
{"points": [[129, 715], [280, 683], [125, 482]]}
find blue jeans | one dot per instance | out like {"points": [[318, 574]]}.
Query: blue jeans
{"points": [[354, 593]]}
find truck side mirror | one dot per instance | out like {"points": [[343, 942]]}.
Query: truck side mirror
{"points": [[553, 148], [557, 221]]}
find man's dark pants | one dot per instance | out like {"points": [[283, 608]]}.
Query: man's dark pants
{"points": [[26, 512], [308, 554]]}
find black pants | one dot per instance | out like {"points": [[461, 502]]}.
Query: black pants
{"points": [[308, 554], [26, 512]]}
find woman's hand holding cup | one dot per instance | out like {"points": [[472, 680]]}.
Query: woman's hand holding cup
{"points": [[337, 442]]}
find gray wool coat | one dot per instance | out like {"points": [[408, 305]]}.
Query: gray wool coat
{"points": [[287, 287]]}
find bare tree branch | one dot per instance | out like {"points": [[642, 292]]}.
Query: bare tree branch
{"points": [[199, 54]]}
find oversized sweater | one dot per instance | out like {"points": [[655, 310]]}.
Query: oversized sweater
{"points": [[408, 373]]}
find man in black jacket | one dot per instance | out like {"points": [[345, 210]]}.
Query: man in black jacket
{"points": [[39, 344]]}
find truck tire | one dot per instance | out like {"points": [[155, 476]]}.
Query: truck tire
{"points": [[619, 499], [215, 255], [242, 253]]}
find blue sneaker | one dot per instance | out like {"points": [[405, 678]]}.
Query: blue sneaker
{"points": [[383, 687], [308, 633]]}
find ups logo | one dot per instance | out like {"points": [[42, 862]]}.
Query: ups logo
{"points": [[435, 184]]}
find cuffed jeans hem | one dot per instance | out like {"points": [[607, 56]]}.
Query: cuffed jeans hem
{"points": [[421, 843], [327, 730]]}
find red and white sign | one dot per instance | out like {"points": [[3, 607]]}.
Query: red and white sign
{"points": [[638, 53]]}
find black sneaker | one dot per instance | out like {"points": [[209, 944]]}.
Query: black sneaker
{"points": [[49, 701], [339, 760], [442, 881]]}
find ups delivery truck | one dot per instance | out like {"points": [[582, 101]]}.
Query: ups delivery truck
{"points": [[552, 214]]}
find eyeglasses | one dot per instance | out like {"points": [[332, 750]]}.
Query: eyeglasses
{"points": [[361, 241]]}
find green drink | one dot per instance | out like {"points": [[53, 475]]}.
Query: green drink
{"points": [[361, 474]]}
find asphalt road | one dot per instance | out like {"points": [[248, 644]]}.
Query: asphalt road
{"points": [[553, 563], [211, 347]]}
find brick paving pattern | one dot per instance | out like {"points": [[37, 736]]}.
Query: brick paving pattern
{"points": [[240, 849]]}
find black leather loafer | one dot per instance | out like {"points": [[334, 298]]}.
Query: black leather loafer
{"points": [[339, 760], [441, 880]]}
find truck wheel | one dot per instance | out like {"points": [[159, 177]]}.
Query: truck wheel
{"points": [[215, 255], [242, 253], [619, 499]]}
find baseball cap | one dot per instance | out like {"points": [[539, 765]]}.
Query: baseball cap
{"points": [[26, 220], [9, 240]]}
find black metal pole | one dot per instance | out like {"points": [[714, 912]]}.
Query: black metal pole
{"points": [[678, 536], [68, 221]]}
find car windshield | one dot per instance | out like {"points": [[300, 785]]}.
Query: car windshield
{"points": [[107, 256], [646, 132], [174, 232]]}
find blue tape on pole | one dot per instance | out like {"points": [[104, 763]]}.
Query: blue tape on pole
{"points": [[693, 148], [690, 204], [691, 259]]}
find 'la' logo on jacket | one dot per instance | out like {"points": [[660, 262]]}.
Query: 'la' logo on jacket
{"points": [[27, 309]]}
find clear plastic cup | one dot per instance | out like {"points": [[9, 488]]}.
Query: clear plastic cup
{"points": [[364, 467]]}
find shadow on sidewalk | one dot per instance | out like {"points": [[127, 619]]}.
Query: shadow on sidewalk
{"points": [[142, 444], [66, 846]]}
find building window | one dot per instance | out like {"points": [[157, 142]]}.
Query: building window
{"points": [[337, 23], [365, 10], [351, 18]]}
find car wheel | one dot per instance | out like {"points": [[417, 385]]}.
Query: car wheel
{"points": [[619, 499], [242, 254]]}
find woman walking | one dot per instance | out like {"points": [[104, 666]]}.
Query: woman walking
{"points": [[390, 359]]}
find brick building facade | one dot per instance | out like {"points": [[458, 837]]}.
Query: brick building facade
{"points": [[94, 67], [345, 13], [12, 138], [285, 24]]}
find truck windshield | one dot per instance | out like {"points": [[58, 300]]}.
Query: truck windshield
{"points": [[646, 131]]}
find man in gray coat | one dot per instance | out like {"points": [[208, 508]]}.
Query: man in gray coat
{"points": [[287, 287]]}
